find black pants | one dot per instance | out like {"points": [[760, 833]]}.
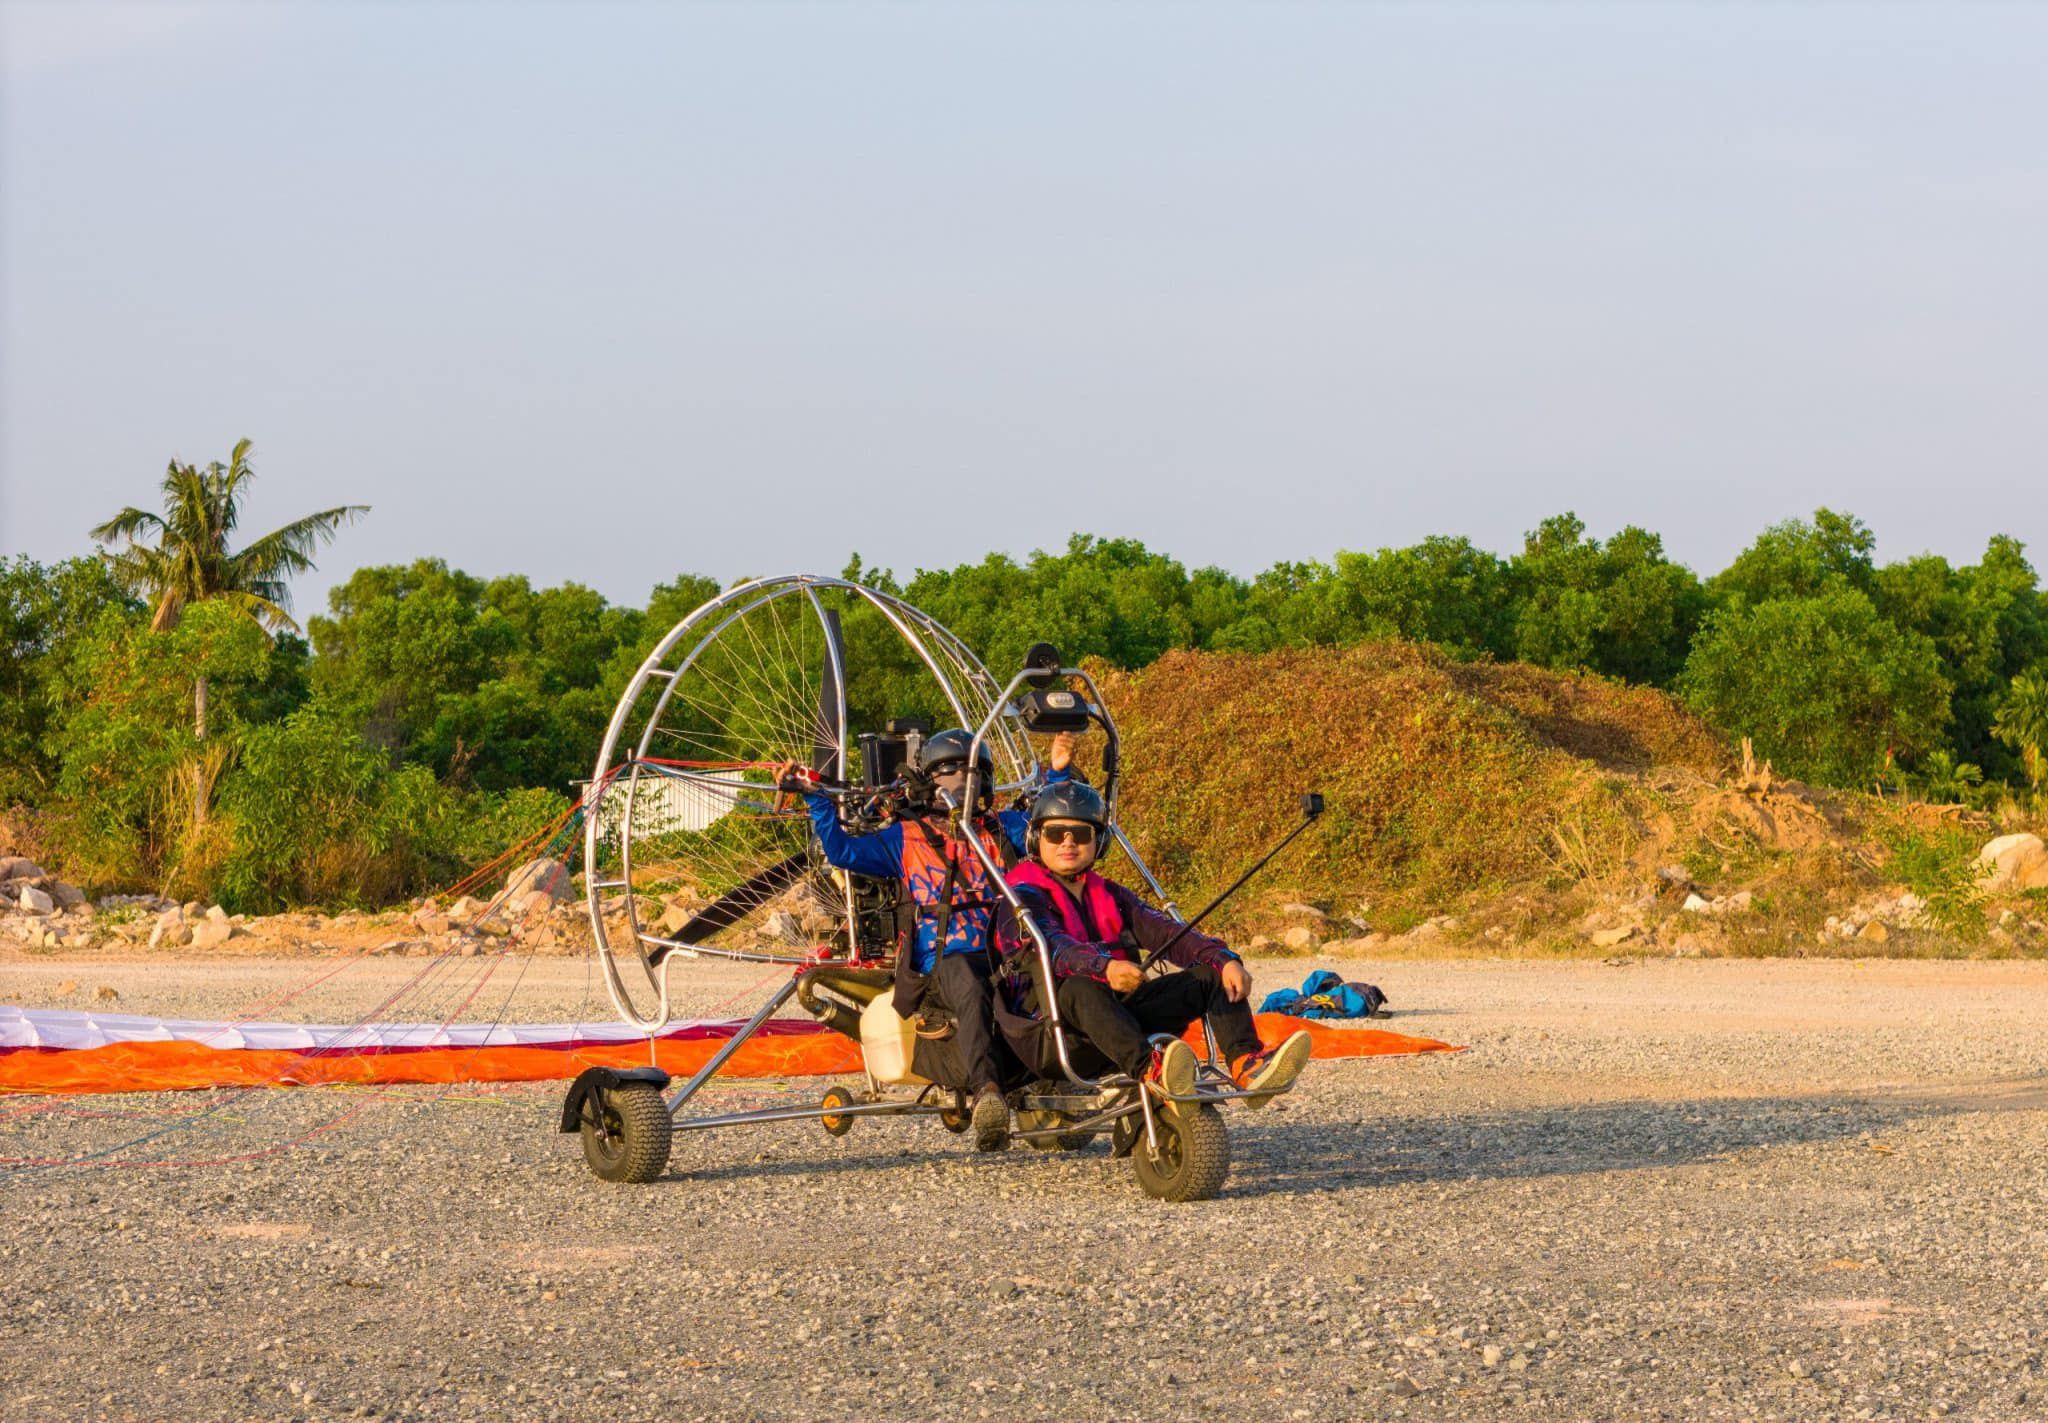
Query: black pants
{"points": [[1115, 1029], [967, 1059]]}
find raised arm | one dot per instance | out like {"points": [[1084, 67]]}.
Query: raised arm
{"points": [[879, 855]]}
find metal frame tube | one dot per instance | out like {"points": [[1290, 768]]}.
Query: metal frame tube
{"points": [[805, 1114], [781, 996], [951, 664]]}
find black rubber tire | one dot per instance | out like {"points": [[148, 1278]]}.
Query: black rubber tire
{"points": [[1126, 1134], [1194, 1154], [956, 1118], [836, 1097], [627, 1132]]}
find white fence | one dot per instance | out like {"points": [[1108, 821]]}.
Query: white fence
{"points": [[666, 803]]}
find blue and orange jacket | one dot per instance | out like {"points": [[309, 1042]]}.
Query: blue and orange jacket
{"points": [[893, 852]]}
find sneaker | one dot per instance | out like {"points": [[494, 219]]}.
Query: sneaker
{"points": [[1173, 1069], [991, 1120], [1268, 1074]]}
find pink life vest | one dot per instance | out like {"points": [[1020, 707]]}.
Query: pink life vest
{"points": [[1108, 930]]}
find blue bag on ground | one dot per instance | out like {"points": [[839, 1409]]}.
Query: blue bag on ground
{"points": [[1324, 995]]}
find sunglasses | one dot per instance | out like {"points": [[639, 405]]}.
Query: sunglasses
{"points": [[1061, 834]]}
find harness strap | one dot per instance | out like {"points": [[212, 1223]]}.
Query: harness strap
{"points": [[1006, 857]]}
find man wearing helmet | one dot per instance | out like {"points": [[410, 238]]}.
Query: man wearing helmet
{"points": [[945, 965], [1098, 931]]}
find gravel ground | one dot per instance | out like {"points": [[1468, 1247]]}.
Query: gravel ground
{"points": [[1684, 1190]]}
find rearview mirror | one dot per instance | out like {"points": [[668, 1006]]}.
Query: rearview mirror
{"points": [[1042, 665]]}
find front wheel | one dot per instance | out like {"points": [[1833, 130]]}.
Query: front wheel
{"points": [[1193, 1158], [833, 1100], [627, 1132]]}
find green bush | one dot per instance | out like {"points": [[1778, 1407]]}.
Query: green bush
{"points": [[1941, 867], [318, 817], [1825, 686]]}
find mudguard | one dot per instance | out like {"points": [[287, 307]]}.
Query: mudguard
{"points": [[596, 1079]]}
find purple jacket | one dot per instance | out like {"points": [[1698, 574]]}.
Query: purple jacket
{"points": [[1145, 929]]}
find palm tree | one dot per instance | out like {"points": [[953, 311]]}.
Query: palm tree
{"points": [[181, 556], [2022, 723], [1947, 781]]}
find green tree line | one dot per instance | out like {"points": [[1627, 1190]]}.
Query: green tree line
{"points": [[429, 715]]}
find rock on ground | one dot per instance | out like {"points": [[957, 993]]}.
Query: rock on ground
{"points": [[549, 877], [2015, 862]]}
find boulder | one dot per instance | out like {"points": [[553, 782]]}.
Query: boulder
{"points": [[463, 910], [549, 877], [217, 914], [1874, 932], [430, 921], [1608, 938], [18, 867], [673, 918], [35, 901], [1307, 911], [1696, 905], [2014, 862], [1300, 938], [70, 896], [211, 933]]}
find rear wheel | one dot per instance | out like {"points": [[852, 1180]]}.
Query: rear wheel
{"points": [[1193, 1158], [836, 1097], [627, 1132]]}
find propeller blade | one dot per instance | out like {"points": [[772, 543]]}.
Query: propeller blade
{"points": [[743, 899]]}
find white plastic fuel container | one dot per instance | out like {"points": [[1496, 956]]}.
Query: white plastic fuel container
{"points": [[887, 1043]]}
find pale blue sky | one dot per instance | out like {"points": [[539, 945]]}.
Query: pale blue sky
{"points": [[610, 292]]}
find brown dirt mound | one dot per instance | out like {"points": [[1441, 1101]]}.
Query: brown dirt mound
{"points": [[1445, 780], [1611, 724]]}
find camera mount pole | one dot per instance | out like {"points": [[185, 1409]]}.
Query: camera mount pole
{"points": [[1311, 807]]}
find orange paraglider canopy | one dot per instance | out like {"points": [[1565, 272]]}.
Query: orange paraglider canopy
{"points": [[81, 1053]]}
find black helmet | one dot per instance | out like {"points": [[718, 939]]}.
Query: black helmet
{"points": [[949, 747], [1066, 800], [946, 750]]}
